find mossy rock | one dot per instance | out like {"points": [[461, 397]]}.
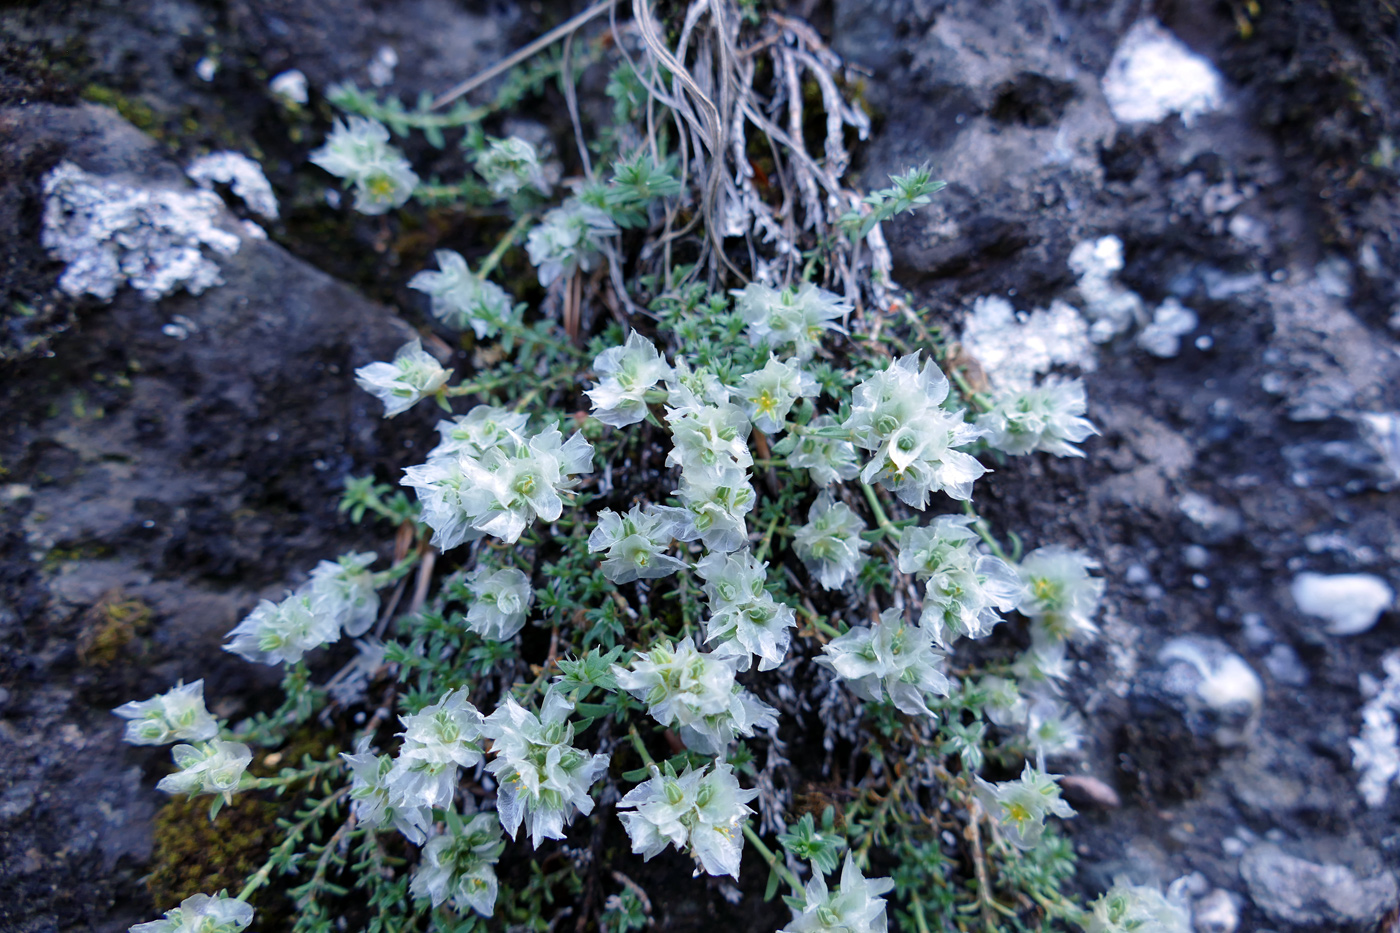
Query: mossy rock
{"points": [[195, 855]]}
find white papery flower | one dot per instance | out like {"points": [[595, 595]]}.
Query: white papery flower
{"points": [[177, 714], [830, 543], [625, 374], [213, 767], [1060, 598], [826, 459], [344, 591], [372, 800], [276, 633], [543, 779], [413, 376], [855, 906], [768, 394], [459, 865], [200, 913], [965, 589], [462, 299], [716, 503], [743, 611], [1053, 729], [891, 657], [897, 414], [484, 428], [1022, 805], [1046, 417], [794, 317], [501, 600], [510, 165], [438, 740], [568, 238], [702, 811], [359, 152], [706, 437], [1004, 705], [636, 542], [696, 692], [1136, 908]]}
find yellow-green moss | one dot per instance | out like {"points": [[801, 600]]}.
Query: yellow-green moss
{"points": [[193, 855]]}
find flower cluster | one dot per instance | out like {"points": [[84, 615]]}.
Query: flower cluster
{"points": [[1135, 908], [830, 543], [500, 489], [897, 414], [741, 610], [413, 376], [696, 692], [854, 907], [359, 152], [768, 394], [462, 299], [1046, 417], [710, 438], [438, 741], [890, 657], [626, 373], [200, 913], [636, 542], [965, 589], [543, 778], [213, 767], [824, 457], [791, 319], [1060, 598], [500, 600], [373, 801], [510, 165], [567, 239], [1021, 806], [700, 810], [458, 865], [178, 714], [346, 592]]}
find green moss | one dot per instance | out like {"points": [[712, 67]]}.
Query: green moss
{"points": [[109, 627], [132, 110], [193, 855]]}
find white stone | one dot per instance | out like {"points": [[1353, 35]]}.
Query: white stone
{"points": [[239, 172], [290, 86], [1170, 322], [1349, 602], [1154, 75]]}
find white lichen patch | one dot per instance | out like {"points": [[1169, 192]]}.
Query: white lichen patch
{"points": [[1170, 322], [1014, 348], [1112, 307], [112, 234], [240, 173], [1375, 753], [1154, 75]]}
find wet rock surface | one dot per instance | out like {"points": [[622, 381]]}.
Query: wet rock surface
{"points": [[172, 461]]}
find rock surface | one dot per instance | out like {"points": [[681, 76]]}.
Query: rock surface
{"points": [[1310, 896]]}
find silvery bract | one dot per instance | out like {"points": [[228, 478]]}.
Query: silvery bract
{"points": [[830, 543], [438, 741], [1060, 598], [708, 437], [375, 803], [715, 505], [501, 600], [965, 589], [200, 913], [510, 165], [1046, 417], [891, 657], [625, 374], [484, 428], [166, 717], [793, 319], [359, 152], [701, 811], [742, 611], [543, 779], [1053, 729], [826, 459], [855, 907], [1135, 908], [636, 542], [344, 591], [277, 633], [462, 299], [897, 415], [1021, 806], [413, 376], [458, 865], [768, 394], [213, 767], [569, 238]]}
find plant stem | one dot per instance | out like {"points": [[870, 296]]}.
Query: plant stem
{"points": [[881, 518], [283, 853], [640, 746], [980, 526], [775, 863], [493, 258]]}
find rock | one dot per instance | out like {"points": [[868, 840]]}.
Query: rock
{"points": [[1216, 913], [1084, 790], [1217, 688], [1208, 522], [1351, 603], [1310, 896], [1154, 75]]}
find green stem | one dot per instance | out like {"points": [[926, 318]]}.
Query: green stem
{"points": [[918, 907], [881, 518], [493, 258], [775, 863], [979, 525], [284, 852], [640, 746], [977, 400], [285, 780], [767, 541]]}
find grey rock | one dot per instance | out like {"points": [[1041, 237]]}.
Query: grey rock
{"points": [[1218, 691], [1217, 912], [1310, 896], [1208, 522]]}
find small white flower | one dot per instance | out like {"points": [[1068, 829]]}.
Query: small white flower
{"points": [[1052, 729], [855, 906], [1135, 908], [484, 428], [1060, 597], [569, 238], [768, 394], [344, 591], [543, 779], [706, 437], [1046, 417], [625, 374], [636, 543], [966, 589], [1004, 706], [373, 801], [696, 693], [213, 767], [826, 459], [200, 913], [458, 865], [1021, 806], [743, 611], [501, 600], [892, 657], [276, 633], [510, 165], [413, 376], [830, 543], [897, 414], [359, 152], [177, 714], [715, 504], [795, 318], [438, 740], [462, 299], [700, 810]]}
